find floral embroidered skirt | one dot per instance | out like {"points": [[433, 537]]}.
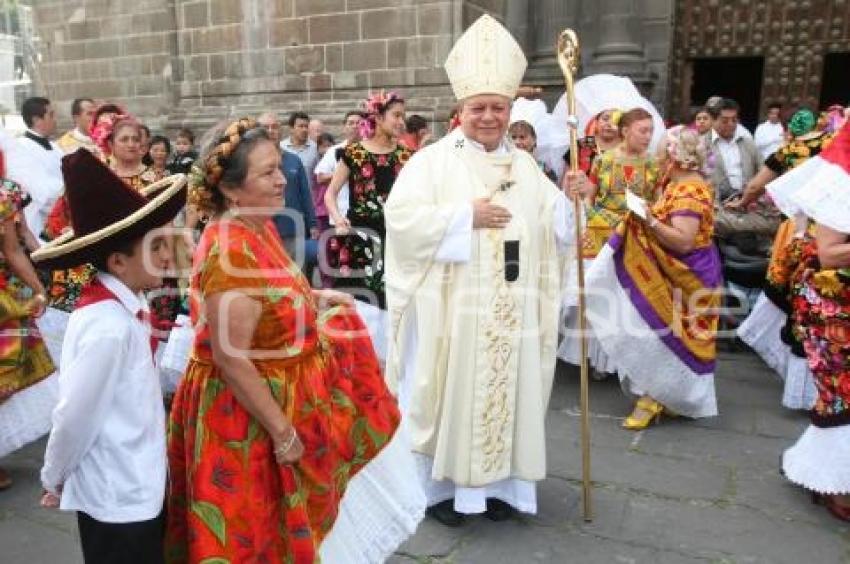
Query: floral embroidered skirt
{"points": [[821, 306], [359, 263]]}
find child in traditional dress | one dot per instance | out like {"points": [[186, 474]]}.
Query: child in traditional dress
{"points": [[106, 456]]}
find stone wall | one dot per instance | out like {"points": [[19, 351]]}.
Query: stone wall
{"points": [[194, 62], [182, 62], [116, 49]]}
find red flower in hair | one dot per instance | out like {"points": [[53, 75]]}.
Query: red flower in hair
{"points": [[101, 132]]}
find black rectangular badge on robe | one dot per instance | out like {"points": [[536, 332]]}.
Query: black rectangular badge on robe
{"points": [[511, 260]]}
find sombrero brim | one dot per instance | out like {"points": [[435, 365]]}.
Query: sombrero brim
{"points": [[68, 250]]}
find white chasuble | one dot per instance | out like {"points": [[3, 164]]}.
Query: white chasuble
{"points": [[478, 380]]}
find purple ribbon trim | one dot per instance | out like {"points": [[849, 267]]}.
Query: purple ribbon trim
{"points": [[702, 262]]}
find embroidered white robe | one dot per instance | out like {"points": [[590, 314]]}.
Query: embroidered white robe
{"points": [[485, 348]]}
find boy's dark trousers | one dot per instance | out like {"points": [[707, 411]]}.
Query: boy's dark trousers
{"points": [[140, 542]]}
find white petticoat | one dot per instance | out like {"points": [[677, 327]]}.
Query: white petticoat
{"points": [[761, 330], [172, 357], [820, 460], [26, 416], [644, 363], [381, 508], [570, 348], [376, 321]]}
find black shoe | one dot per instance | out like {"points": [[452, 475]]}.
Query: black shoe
{"points": [[498, 510], [445, 513]]}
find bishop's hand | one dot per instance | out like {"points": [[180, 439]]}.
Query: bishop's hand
{"points": [[489, 216], [577, 184]]}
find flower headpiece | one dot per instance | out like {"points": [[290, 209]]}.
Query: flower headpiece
{"points": [[207, 171], [102, 131], [802, 122], [375, 105]]}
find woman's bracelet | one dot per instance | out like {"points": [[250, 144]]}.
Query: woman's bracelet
{"points": [[284, 448]]}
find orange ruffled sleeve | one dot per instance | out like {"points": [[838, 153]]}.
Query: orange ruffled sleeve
{"points": [[232, 268]]}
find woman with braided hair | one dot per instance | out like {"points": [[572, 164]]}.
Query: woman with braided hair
{"points": [[283, 409], [370, 167]]}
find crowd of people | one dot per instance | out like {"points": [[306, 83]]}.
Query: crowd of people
{"points": [[369, 325]]}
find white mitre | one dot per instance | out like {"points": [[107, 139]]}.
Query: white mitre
{"points": [[486, 60]]}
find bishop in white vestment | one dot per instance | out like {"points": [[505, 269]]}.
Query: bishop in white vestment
{"points": [[476, 241]]}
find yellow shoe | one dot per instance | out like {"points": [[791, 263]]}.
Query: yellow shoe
{"points": [[645, 413]]}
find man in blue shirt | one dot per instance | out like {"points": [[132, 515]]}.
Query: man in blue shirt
{"points": [[297, 224]]}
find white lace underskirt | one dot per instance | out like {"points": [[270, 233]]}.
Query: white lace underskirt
{"points": [[761, 331], [381, 508], [570, 348], [820, 460], [26, 416], [644, 363], [377, 320]]}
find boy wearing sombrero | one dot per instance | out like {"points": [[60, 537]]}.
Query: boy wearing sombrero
{"points": [[106, 458]]}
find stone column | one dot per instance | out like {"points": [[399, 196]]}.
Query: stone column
{"points": [[550, 17], [619, 49], [547, 19], [517, 15]]}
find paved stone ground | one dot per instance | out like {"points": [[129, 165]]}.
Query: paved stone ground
{"points": [[683, 492]]}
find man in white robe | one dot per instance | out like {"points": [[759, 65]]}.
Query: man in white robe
{"points": [[40, 119], [476, 237]]}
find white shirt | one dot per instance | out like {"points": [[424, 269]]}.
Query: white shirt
{"points": [[309, 155], [769, 137], [328, 165], [45, 189], [107, 446], [730, 152]]}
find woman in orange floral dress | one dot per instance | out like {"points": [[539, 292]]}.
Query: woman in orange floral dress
{"points": [[283, 401]]}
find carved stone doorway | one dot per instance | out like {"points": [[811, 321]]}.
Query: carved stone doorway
{"points": [[835, 86], [739, 78]]}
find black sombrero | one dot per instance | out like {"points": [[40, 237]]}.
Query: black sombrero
{"points": [[105, 212]]}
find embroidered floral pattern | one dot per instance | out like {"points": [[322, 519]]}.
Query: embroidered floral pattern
{"points": [[613, 174], [359, 256], [821, 306]]}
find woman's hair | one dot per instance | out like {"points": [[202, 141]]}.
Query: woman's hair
{"points": [[326, 138], [523, 125], [632, 116], [161, 140], [103, 133], [107, 108], [686, 147], [376, 105], [697, 111], [223, 161]]}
